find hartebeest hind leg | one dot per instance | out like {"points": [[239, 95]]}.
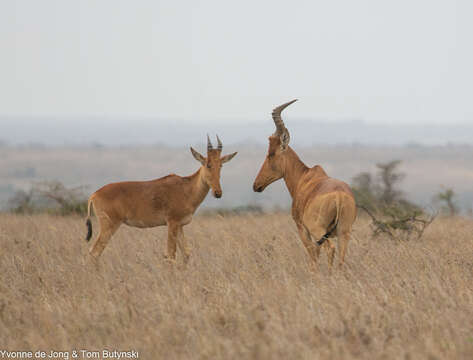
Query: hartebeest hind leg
{"points": [[330, 253], [176, 238], [173, 233], [312, 249], [107, 229], [318, 233], [343, 239]]}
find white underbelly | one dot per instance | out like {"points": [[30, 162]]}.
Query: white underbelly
{"points": [[145, 223]]}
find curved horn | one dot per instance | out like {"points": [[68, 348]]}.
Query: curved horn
{"points": [[280, 128], [209, 144], [219, 144]]}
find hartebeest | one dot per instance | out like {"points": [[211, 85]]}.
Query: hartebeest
{"points": [[322, 207], [170, 200]]}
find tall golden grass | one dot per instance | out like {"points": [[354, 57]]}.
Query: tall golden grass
{"points": [[247, 293]]}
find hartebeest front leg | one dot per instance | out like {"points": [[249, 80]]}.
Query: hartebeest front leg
{"points": [[173, 233], [182, 242]]}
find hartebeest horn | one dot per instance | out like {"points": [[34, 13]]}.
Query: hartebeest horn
{"points": [[209, 144], [280, 128], [219, 144]]}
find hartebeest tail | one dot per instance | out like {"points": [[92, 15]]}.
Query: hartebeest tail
{"points": [[322, 207], [171, 200], [334, 224], [88, 222]]}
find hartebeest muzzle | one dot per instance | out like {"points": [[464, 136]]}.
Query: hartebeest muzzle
{"points": [[257, 188], [264, 178]]}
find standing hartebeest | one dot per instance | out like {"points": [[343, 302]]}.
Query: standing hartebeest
{"points": [[321, 207], [170, 200]]}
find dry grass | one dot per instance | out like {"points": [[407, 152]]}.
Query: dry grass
{"points": [[248, 292]]}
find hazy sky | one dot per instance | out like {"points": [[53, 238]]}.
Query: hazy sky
{"points": [[381, 61]]}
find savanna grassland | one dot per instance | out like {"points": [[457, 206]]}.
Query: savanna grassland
{"points": [[248, 292]]}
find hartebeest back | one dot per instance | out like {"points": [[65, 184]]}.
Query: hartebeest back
{"points": [[170, 200], [322, 206]]}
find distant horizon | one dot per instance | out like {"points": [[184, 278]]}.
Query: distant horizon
{"points": [[117, 131], [97, 145], [232, 121]]}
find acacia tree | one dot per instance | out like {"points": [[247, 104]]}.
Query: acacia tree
{"points": [[49, 196], [364, 190], [377, 193], [22, 202], [68, 200], [389, 177], [447, 196], [380, 197]]}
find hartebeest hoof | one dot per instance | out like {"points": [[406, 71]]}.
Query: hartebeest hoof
{"points": [[94, 252], [169, 260], [93, 262]]}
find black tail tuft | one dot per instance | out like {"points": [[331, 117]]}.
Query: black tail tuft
{"points": [[321, 241], [89, 229], [333, 226]]}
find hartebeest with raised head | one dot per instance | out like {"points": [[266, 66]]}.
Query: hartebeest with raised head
{"points": [[170, 200], [322, 207]]}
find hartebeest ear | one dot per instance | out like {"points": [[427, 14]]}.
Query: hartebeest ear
{"points": [[198, 156], [228, 157], [284, 140]]}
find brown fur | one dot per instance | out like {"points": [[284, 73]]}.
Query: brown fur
{"points": [[321, 207], [170, 200]]}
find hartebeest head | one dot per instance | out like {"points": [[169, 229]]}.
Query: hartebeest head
{"points": [[212, 164], [274, 164]]}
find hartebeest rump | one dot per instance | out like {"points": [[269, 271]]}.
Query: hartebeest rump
{"points": [[170, 200], [322, 207]]}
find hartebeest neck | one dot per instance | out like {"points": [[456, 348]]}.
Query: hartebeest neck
{"points": [[199, 188], [294, 168]]}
